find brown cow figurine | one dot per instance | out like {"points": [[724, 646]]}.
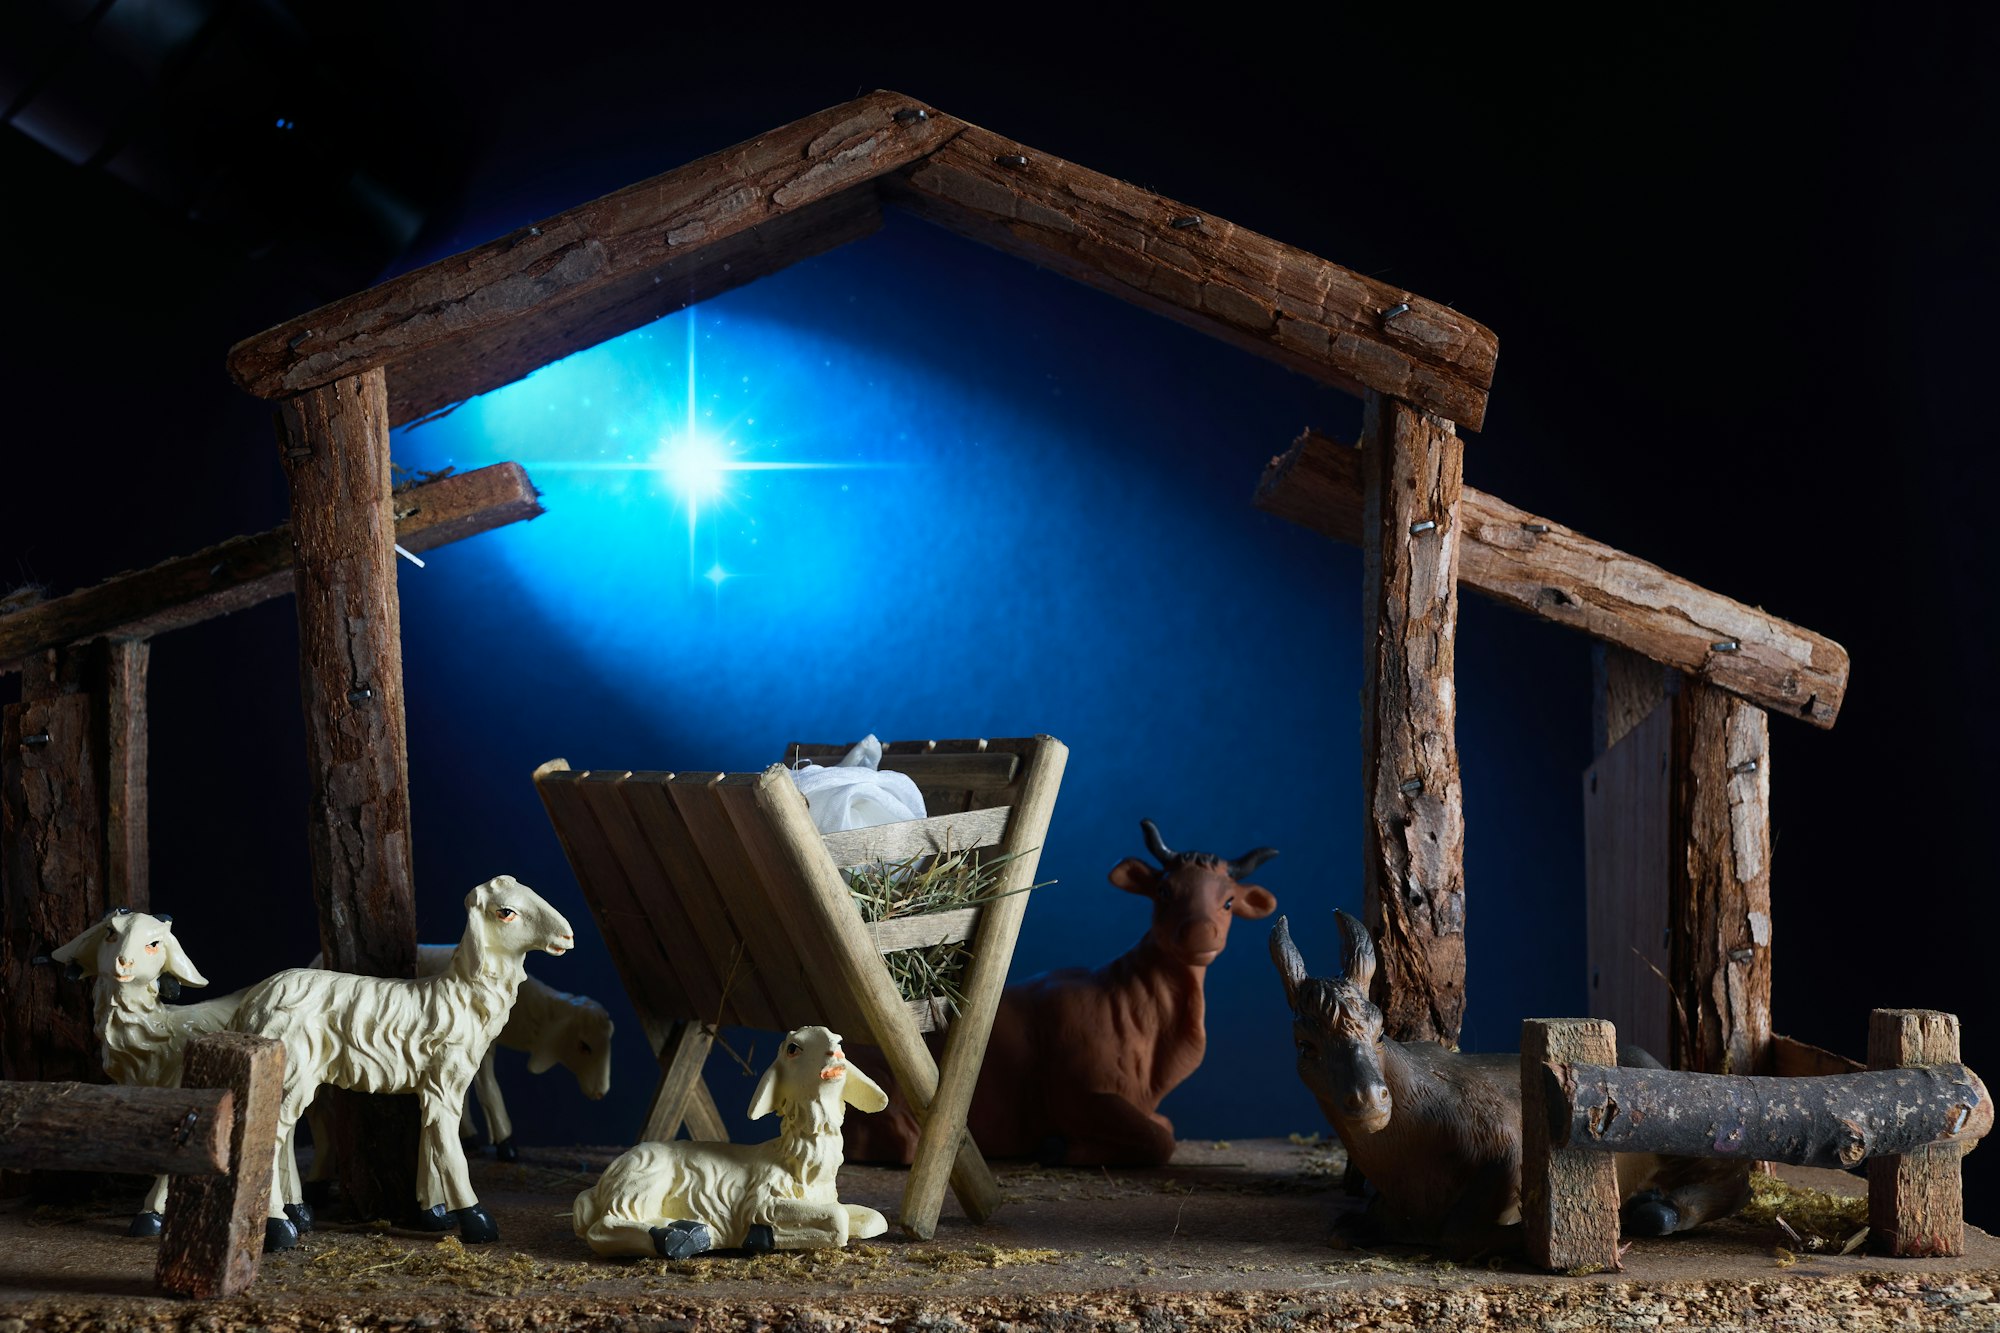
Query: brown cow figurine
{"points": [[1080, 1058]]}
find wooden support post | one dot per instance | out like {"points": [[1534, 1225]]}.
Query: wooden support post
{"points": [[681, 1057], [336, 456], [214, 1234], [1414, 835], [1916, 1202], [1720, 904], [1569, 1197]]}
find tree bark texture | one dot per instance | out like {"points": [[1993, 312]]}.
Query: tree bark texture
{"points": [[336, 456], [1569, 1198], [94, 1127], [544, 291], [1414, 834], [1916, 1199], [1720, 905], [1537, 565], [214, 1234], [1266, 297], [1838, 1120], [245, 571]]}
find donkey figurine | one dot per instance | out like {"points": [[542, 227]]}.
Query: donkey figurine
{"points": [[1438, 1133]]}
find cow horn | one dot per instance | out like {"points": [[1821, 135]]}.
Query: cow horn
{"points": [[1159, 849], [1249, 861]]}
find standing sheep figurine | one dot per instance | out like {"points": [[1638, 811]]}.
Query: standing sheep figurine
{"points": [[678, 1199], [134, 963], [387, 1034]]}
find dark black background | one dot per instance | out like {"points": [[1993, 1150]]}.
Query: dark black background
{"points": [[1741, 269]]}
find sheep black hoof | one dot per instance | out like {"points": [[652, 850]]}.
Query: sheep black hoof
{"points": [[145, 1224], [1650, 1214], [434, 1218], [760, 1240], [1053, 1150], [506, 1151], [280, 1234], [318, 1193], [682, 1240], [475, 1225], [301, 1215]]}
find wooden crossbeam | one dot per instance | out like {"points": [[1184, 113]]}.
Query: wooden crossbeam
{"points": [[91, 1127], [572, 280], [1536, 565], [1167, 257], [244, 571]]}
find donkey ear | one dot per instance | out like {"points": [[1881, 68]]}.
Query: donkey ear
{"points": [[1357, 951], [765, 1100], [1135, 876], [1291, 966], [178, 964]]}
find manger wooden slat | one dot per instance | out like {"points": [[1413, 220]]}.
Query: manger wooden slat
{"points": [[1253, 292], [985, 976], [924, 932], [1413, 835], [1569, 1197], [1536, 565], [1916, 1199], [1792, 1058], [245, 571], [523, 277], [718, 936], [767, 947], [894, 843], [101, 1127], [688, 977], [1627, 884], [213, 1240], [973, 770]]}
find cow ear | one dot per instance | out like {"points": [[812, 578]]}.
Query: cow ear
{"points": [[1135, 876], [1253, 903]]}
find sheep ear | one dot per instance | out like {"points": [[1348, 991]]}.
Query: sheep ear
{"points": [[1357, 951], [1135, 876], [862, 1092], [178, 964], [766, 1100], [81, 952], [1291, 964]]}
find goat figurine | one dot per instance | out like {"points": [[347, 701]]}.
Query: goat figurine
{"points": [[1438, 1133], [1080, 1058], [388, 1034], [678, 1199], [135, 962]]}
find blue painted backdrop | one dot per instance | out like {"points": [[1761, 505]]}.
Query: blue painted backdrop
{"points": [[919, 488]]}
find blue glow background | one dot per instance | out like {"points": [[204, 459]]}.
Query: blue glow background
{"points": [[1052, 534]]}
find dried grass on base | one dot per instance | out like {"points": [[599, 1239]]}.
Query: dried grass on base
{"points": [[920, 886], [1814, 1221]]}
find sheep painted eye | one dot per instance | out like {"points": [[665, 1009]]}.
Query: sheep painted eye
{"points": [[154, 947], [505, 913], [792, 1049], [583, 1046]]}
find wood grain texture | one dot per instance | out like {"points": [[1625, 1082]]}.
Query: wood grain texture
{"points": [[245, 571], [1413, 837], [95, 1127], [1792, 1058], [1625, 689], [1916, 1200], [1537, 565], [1266, 297], [127, 858], [336, 457], [214, 1235], [968, 770], [924, 932], [543, 291], [681, 1058], [1719, 895], [1569, 1198], [898, 842], [1626, 817], [1836, 1120]]}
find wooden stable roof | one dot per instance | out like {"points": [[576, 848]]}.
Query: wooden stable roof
{"points": [[493, 314]]}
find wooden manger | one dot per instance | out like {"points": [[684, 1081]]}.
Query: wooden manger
{"points": [[724, 906]]}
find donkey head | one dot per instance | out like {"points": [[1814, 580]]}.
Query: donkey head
{"points": [[1195, 896], [1337, 1028]]}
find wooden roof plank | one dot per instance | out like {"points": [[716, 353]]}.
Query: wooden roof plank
{"points": [[563, 260], [244, 571], [1537, 565], [1259, 294]]}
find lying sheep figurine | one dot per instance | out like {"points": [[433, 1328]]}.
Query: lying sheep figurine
{"points": [[678, 1199], [390, 1034], [135, 963], [554, 1027]]}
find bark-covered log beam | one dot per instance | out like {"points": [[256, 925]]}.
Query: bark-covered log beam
{"points": [[1836, 1121], [1256, 293], [244, 571], [1537, 565], [562, 284], [95, 1127]]}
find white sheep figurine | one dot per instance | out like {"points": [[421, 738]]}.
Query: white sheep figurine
{"points": [[552, 1026], [135, 962], [678, 1199], [389, 1034]]}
